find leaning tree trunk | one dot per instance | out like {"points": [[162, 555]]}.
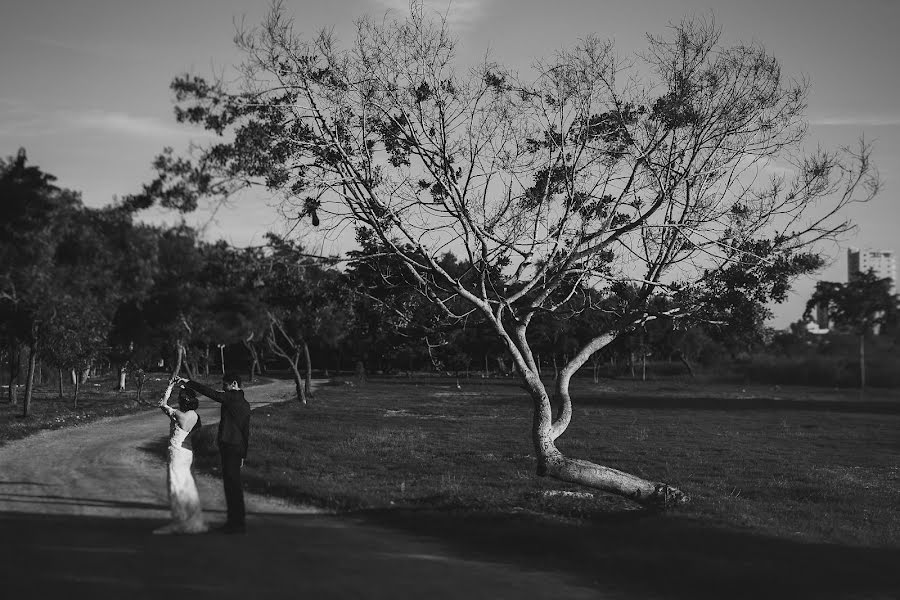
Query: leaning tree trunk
{"points": [[687, 364], [298, 381], [29, 379], [254, 357], [307, 385], [553, 463]]}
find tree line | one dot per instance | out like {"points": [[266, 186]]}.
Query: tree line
{"points": [[87, 288]]}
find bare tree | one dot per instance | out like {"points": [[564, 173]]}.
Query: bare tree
{"points": [[668, 172], [291, 348]]}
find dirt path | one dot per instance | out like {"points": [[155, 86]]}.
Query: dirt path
{"points": [[78, 505], [100, 469]]}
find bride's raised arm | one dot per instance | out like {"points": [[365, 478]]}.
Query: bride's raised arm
{"points": [[164, 401]]}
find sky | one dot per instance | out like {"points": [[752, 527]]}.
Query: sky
{"points": [[84, 84]]}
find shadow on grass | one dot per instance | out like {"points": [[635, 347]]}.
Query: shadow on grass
{"points": [[645, 554], [635, 401]]}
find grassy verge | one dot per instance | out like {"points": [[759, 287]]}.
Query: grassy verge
{"points": [[96, 399], [797, 487]]}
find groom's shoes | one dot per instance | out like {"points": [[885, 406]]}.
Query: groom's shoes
{"points": [[232, 528]]}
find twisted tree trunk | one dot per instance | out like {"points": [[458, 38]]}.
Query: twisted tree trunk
{"points": [[552, 462]]}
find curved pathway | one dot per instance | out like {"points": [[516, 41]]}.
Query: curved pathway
{"points": [[78, 505], [103, 469]]}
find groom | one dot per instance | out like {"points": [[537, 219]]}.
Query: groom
{"points": [[233, 438]]}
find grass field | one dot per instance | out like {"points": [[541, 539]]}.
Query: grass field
{"points": [[795, 488]]}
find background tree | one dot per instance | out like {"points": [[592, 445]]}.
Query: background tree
{"points": [[301, 299], [591, 170], [33, 212], [860, 306]]}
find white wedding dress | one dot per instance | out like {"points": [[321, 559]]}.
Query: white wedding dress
{"points": [[187, 512]]}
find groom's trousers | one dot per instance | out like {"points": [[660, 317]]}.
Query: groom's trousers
{"points": [[231, 477]]}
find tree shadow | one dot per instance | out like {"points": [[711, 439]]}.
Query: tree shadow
{"points": [[646, 553], [49, 499], [749, 403]]}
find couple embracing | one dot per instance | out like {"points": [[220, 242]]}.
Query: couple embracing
{"points": [[233, 437]]}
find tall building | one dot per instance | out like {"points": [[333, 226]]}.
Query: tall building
{"points": [[882, 262]]}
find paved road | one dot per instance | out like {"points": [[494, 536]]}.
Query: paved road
{"points": [[77, 508]]}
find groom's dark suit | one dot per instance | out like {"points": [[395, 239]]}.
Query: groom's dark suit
{"points": [[233, 439]]}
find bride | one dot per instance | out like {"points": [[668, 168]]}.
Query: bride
{"points": [[187, 513]]}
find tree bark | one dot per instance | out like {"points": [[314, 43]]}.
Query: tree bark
{"points": [[191, 368], [298, 382], [15, 365], [59, 374], [685, 362], [123, 373], [254, 357], [76, 387], [140, 377], [179, 358], [862, 360], [552, 462], [307, 386], [29, 379]]}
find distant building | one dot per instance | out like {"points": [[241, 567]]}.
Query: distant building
{"points": [[882, 262]]}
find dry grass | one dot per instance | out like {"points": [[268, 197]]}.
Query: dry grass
{"points": [[794, 491], [812, 469]]}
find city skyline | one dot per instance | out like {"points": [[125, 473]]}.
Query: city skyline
{"points": [[87, 92]]}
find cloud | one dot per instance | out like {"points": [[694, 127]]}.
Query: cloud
{"points": [[860, 120], [125, 124], [460, 13], [22, 120]]}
